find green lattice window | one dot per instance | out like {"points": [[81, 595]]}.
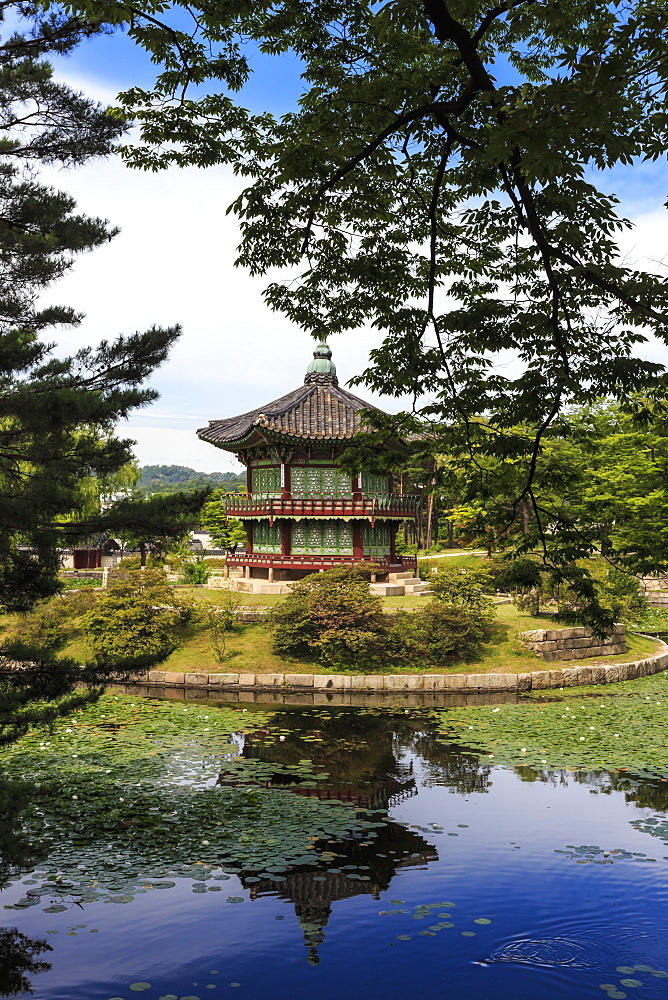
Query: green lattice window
{"points": [[266, 537], [309, 481], [267, 480], [373, 484], [322, 537], [376, 539]]}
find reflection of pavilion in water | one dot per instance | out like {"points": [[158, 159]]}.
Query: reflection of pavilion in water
{"points": [[313, 891], [363, 771]]}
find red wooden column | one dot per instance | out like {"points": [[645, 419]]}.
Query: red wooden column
{"points": [[286, 537], [358, 547], [393, 542]]}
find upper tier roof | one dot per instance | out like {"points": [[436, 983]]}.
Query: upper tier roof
{"points": [[318, 410]]}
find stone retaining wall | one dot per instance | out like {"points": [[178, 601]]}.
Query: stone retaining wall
{"points": [[574, 643], [389, 684]]}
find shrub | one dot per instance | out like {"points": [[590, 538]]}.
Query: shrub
{"points": [[464, 585], [195, 572], [332, 618], [138, 615], [219, 620], [437, 633]]}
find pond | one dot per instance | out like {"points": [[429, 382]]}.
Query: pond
{"points": [[190, 850]]}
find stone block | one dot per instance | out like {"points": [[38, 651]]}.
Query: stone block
{"points": [[614, 673], [432, 682], [535, 635], [524, 682], [559, 655], [619, 630], [454, 682], [582, 643], [617, 650], [403, 682], [171, 677], [584, 675], [541, 679], [372, 682], [247, 696], [223, 680], [156, 676], [269, 680], [196, 680], [292, 680], [247, 680], [300, 681], [597, 675], [337, 682], [570, 676], [492, 682]]}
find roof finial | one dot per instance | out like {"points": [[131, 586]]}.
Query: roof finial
{"points": [[322, 368]]}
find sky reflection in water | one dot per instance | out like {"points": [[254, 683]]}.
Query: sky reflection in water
{"points": [[495, 842]]}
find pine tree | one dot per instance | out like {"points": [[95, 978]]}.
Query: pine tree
{"points": [[56, 414]]}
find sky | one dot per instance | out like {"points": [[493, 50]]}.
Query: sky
{"points": [[173, 263]]}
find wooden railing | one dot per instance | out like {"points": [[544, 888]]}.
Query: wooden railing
{"points": [[399, 505], [315, 559]]}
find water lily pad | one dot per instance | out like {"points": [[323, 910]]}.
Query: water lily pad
{"points": [[404, 937], [482, 920], [139, 987], [468, 933], [632, 983]]}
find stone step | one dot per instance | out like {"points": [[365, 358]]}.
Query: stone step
{"points": [[387, 589], [417, 588], [399, 577]]}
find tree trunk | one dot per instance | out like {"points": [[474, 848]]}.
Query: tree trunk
{"points": [[142, 554], [430, 510], [526, 515]]}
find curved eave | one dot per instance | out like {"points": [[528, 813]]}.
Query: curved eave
{"points": [[259, 434]]}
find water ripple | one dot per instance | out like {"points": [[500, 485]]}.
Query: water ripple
{"points": [[546, 952]]}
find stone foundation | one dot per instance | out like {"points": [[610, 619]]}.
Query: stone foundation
{"points": [[574, 643]]}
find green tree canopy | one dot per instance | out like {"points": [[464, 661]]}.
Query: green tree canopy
{"points": [[444, 178]]}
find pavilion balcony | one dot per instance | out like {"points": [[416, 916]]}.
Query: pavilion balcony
{"points": [[314, 560], [363, 505]]}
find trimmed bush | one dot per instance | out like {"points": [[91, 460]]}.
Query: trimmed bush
{"points": [[465, 586], [332, 617], [138, 615], [437, 633]]}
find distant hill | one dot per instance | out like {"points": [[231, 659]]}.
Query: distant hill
{"points": [[180, 479]]}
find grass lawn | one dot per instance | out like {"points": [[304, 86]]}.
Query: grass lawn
{"points": [[249, 651], [249, 647]]}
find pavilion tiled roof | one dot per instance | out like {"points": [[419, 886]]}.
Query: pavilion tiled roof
{"points": [[319, 409]]}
